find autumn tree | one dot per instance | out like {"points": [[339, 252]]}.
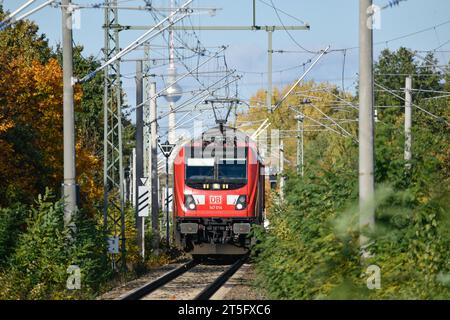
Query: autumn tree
{"points": [[31, 119], [318, 102]]}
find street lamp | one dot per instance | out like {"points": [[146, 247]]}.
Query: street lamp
{"points": [[166, 149]]}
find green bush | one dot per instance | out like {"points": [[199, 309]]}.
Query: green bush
{"points": [[12, 223], [311, 250], [37, 269]]}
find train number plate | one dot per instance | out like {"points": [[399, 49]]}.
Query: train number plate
{"points": [[215, 199]]}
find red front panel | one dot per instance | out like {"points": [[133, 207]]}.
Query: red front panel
{"points": [[215, 203]]}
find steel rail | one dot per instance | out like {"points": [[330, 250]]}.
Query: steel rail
{"points": [[209, 291], [156, 284]]}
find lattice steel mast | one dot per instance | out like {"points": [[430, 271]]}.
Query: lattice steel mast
{"points": [[113, 174]]}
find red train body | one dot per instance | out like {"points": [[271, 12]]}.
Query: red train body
{"points": [[218, 192]]}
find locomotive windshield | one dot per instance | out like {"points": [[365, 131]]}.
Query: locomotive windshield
{"points": [[200, 169], [232, 169], [217, 166]]}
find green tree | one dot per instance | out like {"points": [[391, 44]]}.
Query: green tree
{"points": [[311, 249]]}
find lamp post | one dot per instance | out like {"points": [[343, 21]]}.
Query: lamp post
{"points": [[166, 149]]}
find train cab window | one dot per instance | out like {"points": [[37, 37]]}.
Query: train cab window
{"points": [[226, 168], [232, 169], [198, 169]]}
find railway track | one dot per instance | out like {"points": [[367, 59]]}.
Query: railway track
{"points": [[191, 281]]}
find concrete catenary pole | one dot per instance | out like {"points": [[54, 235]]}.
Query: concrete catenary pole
{"points": [[281, 170], [269, 69], [408, 121], [140, 221], [69, 184], [298, 145], [300, 156], [166, 200], [133, 178], [302, 147], [366, 127], [154, 166]]}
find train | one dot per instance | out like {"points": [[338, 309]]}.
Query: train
{"points": [[218, 193]]}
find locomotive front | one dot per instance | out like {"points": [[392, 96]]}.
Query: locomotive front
{"points": [[218, 192]]}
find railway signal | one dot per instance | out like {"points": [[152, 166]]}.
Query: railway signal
{"points": [[143, 201], [166, 149]]}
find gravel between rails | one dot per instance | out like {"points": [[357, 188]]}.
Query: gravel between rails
{"points": [[239, 287], [188, 285], [118, 292]]}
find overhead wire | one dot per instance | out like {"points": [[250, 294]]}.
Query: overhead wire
{"points": [[288, 33], [418, 107]]}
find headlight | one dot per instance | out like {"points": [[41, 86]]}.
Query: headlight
{"points": [[189, 202], [241, 203]]}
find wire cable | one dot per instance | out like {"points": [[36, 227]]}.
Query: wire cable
{"points": [[288, 33]]}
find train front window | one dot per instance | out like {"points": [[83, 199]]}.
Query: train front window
{"points": [[198, 169], [232, 169]]}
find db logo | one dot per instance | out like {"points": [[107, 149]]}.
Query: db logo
{"points": [[215, 199]]}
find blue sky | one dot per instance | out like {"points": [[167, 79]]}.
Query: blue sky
{"points": [[333, 22]]}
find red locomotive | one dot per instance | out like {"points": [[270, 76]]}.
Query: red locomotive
{"points": [[218, 192]]}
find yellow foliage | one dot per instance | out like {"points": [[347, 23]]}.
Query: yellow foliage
{"points": [[323, 102], [32, 96]]}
